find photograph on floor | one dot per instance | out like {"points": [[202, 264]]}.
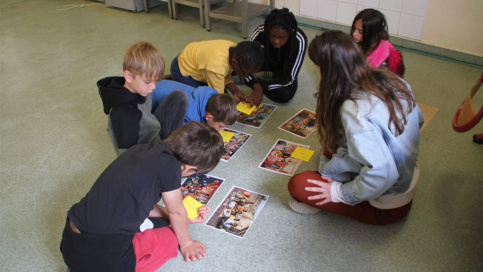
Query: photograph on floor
{"points": [[256, 118], [280, 160], [237, 212], [201, 188], [235, 143], [301, 124]]}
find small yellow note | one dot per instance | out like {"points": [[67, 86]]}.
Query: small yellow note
{"points": [[192, 206], [245, 108], [226, 135], [302, 153]]}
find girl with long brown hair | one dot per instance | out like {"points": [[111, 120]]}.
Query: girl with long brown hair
{"points": [[368, 125]]}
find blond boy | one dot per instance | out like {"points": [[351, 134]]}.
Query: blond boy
{"points": [[127, 100]]}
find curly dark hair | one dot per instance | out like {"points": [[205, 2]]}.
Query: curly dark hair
{"points": [[248, 54]]}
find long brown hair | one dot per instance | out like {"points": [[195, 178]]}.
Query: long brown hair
{"points": [[344, 71], [374, 29]]}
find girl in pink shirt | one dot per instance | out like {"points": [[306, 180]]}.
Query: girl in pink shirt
{"points": [[369, 30]]}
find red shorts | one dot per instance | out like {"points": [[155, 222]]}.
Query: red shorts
{"points": [[153, 248]]}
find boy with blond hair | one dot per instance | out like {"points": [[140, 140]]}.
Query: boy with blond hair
{"points": [[127, 100]]}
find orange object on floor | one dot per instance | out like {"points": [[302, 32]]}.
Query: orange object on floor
{"points": [[466, 117]]}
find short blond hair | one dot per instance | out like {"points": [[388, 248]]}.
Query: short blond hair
{"points": [[143, 58]]}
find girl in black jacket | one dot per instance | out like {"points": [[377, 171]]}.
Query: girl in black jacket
{"points": [[285, 45]]}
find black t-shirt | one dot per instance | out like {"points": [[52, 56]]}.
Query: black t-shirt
{"points": [[124, 194], [122, 197]]}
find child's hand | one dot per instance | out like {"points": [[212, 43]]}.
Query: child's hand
{"points": [[240, 96], [193, 251], [257, 95], [202, 215], [323, 187]]}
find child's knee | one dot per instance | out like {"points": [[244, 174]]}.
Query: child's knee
{"points": [[179, 95], [297, 184], [180, 98]]}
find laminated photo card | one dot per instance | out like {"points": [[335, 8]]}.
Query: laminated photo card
{"points": [[233, 142], [236, 214], [301, 124], [201, 188], [280, 160], [257, 118]]}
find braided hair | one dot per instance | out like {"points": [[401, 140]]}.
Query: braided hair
{"points": [[280, 18], [249, 54]]}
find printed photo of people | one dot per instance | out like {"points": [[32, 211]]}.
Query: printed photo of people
{"points": [[236, 214], [301, 124], [257, 118], [202, 188], [279, 159], [235, 143]]}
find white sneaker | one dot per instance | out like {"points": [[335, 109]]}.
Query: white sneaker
{"points": [[301, 207]]}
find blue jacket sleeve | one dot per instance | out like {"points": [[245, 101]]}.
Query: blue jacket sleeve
{"points": [[364, 163]]}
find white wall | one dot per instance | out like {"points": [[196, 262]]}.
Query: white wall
{"points": [[455, 24], [449, 24], [405, 17]]}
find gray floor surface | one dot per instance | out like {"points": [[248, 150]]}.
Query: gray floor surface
{"points": [[54, 145]]}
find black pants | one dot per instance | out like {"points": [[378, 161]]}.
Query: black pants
{"points": [[280, 95]]}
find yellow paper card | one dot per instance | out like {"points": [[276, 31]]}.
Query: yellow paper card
{"points": [[245, 108], [302, 153], [191, 206], [226, 135]]}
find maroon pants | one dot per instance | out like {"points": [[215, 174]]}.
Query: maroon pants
{"points": [[363, 211]]}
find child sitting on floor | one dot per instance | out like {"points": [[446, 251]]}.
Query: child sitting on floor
{"points": [[369, 31], [127, 100], [368, 125], [284, 45]]}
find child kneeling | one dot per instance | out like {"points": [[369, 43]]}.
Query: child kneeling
{"points": [[205, 104], [118, 225]]}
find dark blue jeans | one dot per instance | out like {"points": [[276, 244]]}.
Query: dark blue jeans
{"points": [[177, 76]]}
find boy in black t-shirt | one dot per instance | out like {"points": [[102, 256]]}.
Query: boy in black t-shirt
{"points": [[102, 231]]}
